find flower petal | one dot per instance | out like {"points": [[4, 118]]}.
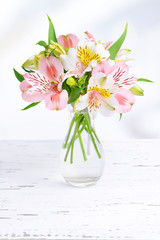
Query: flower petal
{"points": [[68, 41], [125, 99], [73, 40], [82, 102], [63, 41], [34, 87], [101, 51], [24, 85], [103, 67], [108, 106], [71, 62], [57, 101], [90, 37], [51, 67], [97, 79], [119, 71]]}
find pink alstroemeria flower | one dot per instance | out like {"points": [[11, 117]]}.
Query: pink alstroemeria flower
{"points": [[69, 40], [46, 84], [118, 74]]}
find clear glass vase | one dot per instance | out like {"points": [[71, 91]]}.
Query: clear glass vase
{"points": [[81, 158]]}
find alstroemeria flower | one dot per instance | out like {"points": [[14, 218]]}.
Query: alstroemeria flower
{"points": [[46, 84], [84, 57], [100, 96], [69, 40], [118, 73]]}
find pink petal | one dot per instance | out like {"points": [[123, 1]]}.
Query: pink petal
{"points": [[68, 41], [73, 40], [90, 37], [129, 81], [63, 41], [51, 68], [35, 87], [30, 96], [24, 86], [125, 99], [119, 72], [103, 67], [57, 101]]}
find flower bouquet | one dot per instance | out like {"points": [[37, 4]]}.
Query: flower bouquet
{"points": [[91, 77]]}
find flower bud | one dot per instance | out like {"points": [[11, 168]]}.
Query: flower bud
{"points": [[136, 90], [71, 81], [37, 58], [29, 64], [57, 47]]}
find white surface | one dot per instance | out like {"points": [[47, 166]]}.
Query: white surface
{"points": [[36, 203]]}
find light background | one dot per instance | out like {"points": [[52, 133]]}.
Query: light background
{"points": [[24, 22]]}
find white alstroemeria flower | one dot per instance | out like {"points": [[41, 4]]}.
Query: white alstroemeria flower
{"points": [[84, 57], [100, 96]]}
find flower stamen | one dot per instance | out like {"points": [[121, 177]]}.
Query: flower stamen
{"points": [[103, 92], [85, 56]]}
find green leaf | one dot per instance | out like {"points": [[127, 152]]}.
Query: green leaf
{"points": [[30, 105], [74, 94], [113, 50], [42, 43], [82, 80], [120, 117], [66, 87], [51, 32], [18, 75], [52, 53], [144, 80]]}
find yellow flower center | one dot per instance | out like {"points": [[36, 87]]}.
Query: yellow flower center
{"points": [[103, 92], [85, 56]]}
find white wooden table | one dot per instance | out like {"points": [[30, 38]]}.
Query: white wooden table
{"points": [[35, 202]]}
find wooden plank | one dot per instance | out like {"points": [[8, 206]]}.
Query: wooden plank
{"points": [[35, 202]]}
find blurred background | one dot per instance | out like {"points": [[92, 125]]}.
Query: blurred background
{"points": [[24, 22]]}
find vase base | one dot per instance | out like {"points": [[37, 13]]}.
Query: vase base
{"points": [[82, 182]]}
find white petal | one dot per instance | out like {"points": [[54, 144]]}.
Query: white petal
{"points": [[112, 101], [109, 82], [101, 51], [70, 59], [82, 102], [106, 111], [96, 79], [108, 106]]}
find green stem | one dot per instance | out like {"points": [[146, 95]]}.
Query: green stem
{"points": [[92, 129], [82, 128], [82, 147], [69, 131], [69, 146], [73, 138], [90, 132]]}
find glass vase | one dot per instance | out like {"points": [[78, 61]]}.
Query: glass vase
{"points": [[81, 158]]}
